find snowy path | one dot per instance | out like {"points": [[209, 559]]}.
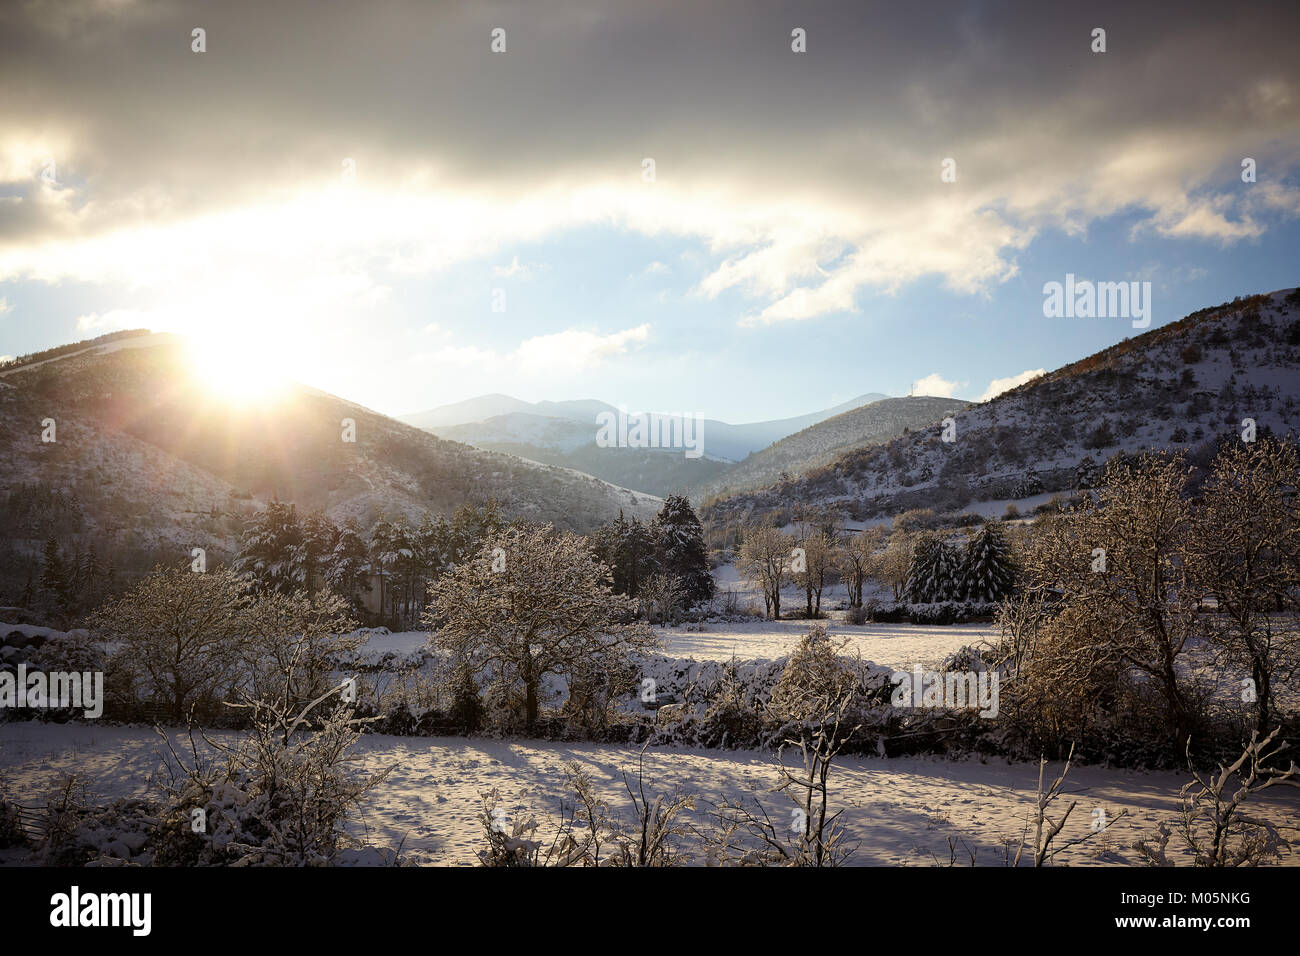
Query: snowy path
{"points": [[902, 810]]}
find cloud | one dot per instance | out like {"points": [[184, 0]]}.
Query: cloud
{"points": [[115, 319], [935, 385], [515, 270], [1000, 385], [800, 217], [570, 350], [5, 306]]}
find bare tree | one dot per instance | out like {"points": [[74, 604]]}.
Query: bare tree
{"points": [[183, 633], [1244, 549], [1045, 828], [532, 602], [818, 562], [764, 559], [1116, 565], [1215, 824]]}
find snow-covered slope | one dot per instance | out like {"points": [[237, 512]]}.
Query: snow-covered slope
{"points": [[819, 444], [147, 458], [1179, 386]]}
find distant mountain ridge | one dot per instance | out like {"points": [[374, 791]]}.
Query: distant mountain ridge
{"points": [[723, 440], [564, 434]]}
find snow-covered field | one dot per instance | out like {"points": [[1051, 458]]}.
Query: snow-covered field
{"points": [[902, 811], [890, 645]]}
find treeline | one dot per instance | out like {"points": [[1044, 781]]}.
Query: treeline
{"points": [[385, 571], [282, 551], [44, 356], [920, 566]]}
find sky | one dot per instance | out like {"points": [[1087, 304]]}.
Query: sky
{"points": [[660, 205]]}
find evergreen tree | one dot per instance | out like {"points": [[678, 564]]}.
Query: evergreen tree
{"points": [[628, 547], [935, 572], [987, 571], [54, 580], [319, 536], [272, 550], [385, 546], [348, 569], [680, 549]]}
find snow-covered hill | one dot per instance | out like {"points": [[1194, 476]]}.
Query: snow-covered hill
{"points": [[819, 444], [148, 458], [1179, 386]]}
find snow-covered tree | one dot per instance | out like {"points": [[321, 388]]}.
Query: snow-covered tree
{"points": [[679, 542], [628, 548], [1086, 474], [1244, 549], [272, 550], [319, 535], [858, 558], [935, 572], [550, 610], [181, 635], [818, 562], [348, 570], [987, 570], [764, 559]]}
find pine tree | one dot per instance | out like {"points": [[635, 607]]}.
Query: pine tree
{"points": [[272, 550], [319, 535], [348, 568], [935, 572], [987, 572], [54, 580], [681, 552]]}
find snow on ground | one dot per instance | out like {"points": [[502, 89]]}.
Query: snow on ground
{"points": [[902, 810], [890, 645]]}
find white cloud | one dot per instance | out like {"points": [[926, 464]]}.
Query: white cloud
{"points": [[5, 306], [517, 270], [1000, 385], [935, 385], [113, 320], [570, 350]]}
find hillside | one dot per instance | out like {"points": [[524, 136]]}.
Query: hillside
{"points": [[1179, 386], [821, 443], [150, 461]]}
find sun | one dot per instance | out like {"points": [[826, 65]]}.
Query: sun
{"points": [[239, 369]]}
